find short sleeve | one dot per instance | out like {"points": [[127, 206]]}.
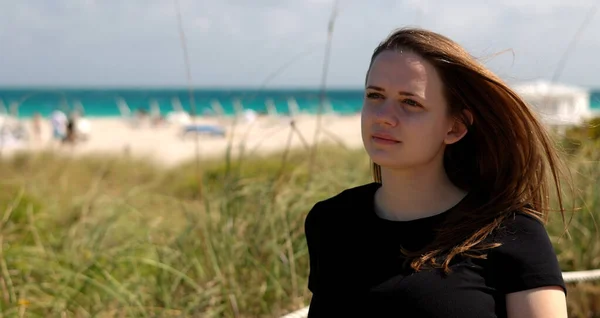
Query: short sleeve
{"points": [[526, 259], [311, 231]]}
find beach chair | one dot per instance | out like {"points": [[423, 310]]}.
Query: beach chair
{"points": [[178, 116], [220, 112], [247, 116], [3, 111], [78, 107], [12, 130], [238, 108], [9, 117], [328, 111], [154, 110], [271, 108], [217, 108], [13, 108], [293, 108], [276, 118], [273, 117], [125, 111]]}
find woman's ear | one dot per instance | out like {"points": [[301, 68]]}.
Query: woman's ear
{"points": [[459, 129]]}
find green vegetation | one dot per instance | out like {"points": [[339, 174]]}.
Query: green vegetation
{"points": [[118, 237]]}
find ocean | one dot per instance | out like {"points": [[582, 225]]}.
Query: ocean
{"points": [[105, 102]]}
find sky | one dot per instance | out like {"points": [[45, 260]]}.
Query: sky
{"points": [[277, 43]]}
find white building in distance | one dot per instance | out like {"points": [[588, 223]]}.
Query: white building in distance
{"points": [[557, 104]]}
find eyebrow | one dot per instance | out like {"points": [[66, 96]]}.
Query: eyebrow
{"points": [[379, 89]]}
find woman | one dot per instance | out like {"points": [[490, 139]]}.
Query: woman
{"points": [[452, 225]]}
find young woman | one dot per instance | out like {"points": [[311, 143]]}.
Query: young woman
{"points": [[452, 225]]}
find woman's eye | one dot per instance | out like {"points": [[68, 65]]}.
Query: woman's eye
{"points": [[373, 95], [411, 102]]}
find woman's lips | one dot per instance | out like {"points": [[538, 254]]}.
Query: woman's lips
{"points": [[384, 139]]}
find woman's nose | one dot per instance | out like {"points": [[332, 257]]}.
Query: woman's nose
{"points": [[385, 114]]}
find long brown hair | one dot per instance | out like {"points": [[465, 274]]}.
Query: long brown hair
{"points": [[507, 160]]}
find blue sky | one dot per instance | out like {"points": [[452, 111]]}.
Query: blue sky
{"points": [[240, 42]]}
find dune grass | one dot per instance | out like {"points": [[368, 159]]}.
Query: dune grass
{"points": [[122, 237]]}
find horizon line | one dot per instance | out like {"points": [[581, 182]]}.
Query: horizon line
{"points": [[232, 87], [181, 87]]}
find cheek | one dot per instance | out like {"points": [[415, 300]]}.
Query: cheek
{"points": [[365, 111], [366, 117], [424, 127], [363, 121]]}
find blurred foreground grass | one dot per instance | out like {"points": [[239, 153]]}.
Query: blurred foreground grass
{"points": [[118, 237]]}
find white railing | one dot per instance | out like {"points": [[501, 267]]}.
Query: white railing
{"points": [[569, 277]]}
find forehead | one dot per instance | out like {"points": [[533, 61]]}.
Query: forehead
{"points": [[404, 71]]}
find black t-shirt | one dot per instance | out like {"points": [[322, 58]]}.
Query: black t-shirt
{"points": [[357, 268]]}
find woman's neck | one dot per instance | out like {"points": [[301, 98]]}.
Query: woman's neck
{"points": [[415, 194]]}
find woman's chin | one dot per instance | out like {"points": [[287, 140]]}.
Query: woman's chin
{"points": [[386, 160]]}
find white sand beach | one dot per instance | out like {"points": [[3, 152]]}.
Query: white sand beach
{"points": [[165, 143]]}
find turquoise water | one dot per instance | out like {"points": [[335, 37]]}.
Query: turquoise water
{"points": [[595, 100], [103, 102]]}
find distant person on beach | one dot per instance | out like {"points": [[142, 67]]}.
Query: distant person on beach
{"points": [[71, 132], [36, 128], [453, 223], [141, 113], [58, 121]]}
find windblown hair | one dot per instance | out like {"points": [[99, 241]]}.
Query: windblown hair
{"points": [[507, 160]]}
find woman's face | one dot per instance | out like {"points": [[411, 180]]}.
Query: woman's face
{"points": [[405, 122]]}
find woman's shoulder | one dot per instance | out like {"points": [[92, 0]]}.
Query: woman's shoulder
{"points": [[520, 232], [351, 195], [519, 226], [526, 257], [342, 203]]}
